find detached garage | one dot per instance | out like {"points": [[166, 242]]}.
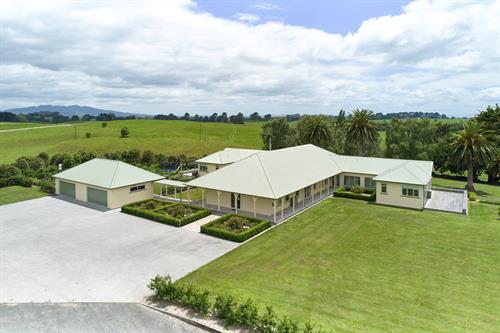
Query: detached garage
{"points": [[108, 183]]}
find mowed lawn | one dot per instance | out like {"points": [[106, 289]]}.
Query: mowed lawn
{"points": [[357, 267], [170, 137], [13, 194], [485, 192]]}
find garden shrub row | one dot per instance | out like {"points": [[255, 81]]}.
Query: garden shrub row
{"points": [[212, 229], [342, 193], [154, 215], [225, 307]]}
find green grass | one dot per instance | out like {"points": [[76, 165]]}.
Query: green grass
{"points": [[160, 136], [484, 191], [13, 194], [358, 267], [7, 126]]}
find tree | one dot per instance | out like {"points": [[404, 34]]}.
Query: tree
{"points": [[124, 132], [104, 124], [255, 117], [279, 132], [237, 119], [361, 130], [88, 135], [317, 130], [490, 121], [267, 117], [341, 120], [75, 118], [186, 116], [471, 147]]}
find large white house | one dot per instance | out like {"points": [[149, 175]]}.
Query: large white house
{"points": [[276, 184]]}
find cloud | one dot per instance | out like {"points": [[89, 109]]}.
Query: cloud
{"points": [[247, 17], [160, 56], [266, 6]]}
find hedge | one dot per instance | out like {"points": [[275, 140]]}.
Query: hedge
{"points": [[342, 193], [212, 230], [165, 218]]}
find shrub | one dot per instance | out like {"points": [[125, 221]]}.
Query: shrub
{"points": [[286, 325], [20, 181], [47, 185], [7, 171], [88, 135], [247, 314], [214, 228], [472, 196], [342, 193], [225, 309], [357, 189], [267, 321], [124, 132], [104, 124]]}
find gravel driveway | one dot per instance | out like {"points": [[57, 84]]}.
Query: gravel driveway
{"points": [[56, 251]]}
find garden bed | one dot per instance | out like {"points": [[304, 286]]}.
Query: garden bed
{"points": [[175, 214], [357, 193], [235, 228]]}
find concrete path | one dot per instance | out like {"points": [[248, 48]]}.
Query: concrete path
{"points": [[195, 226], [88, 318], [57, 251]]}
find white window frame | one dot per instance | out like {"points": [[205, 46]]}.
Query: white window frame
{"points": [[410, 191], [354, 182], [137, 188], [203, 167], [382, 186]]}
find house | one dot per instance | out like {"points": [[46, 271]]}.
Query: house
{"points": [[276, 184], [105, 182], [222, 158]]}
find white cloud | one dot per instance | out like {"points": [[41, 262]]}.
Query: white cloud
{"points": [[163, 55], [247, 17], [266, 6]]}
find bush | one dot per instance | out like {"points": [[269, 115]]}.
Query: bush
{"points": [[267, 321], [225, 309], [212, 229], [342, 193], [124, 132], [104, 124], [20, 181], [472, 196], [88, 135], [47, 185], [247, 314], [286, 325], [357, 189]]}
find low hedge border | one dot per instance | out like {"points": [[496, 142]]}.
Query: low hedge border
{"points": [[165, 218], [342, 193], [210, 229]]}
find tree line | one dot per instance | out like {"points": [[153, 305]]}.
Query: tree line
{"points": [[469, 147]]}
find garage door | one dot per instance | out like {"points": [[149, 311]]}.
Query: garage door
{"points": [[97, 196], [66, 188]]}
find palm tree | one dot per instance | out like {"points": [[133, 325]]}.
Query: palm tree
{"points": [[471, 146], [317, 130], [361, 130]]}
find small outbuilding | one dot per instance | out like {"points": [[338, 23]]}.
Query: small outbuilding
{"points": [[107, 183]]}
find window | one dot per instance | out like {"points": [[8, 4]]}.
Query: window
{"points": [[216, 167], [409, 190], [203, 167], [307, 192], [369, 183], [137, 188], [287, 198], [383, 188], [351, 181]]}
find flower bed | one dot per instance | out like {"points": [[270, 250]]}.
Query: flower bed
{"points": [[175, 214], [235, 228], [354, 193]]}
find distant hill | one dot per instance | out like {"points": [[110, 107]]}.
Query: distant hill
{"points": [[68, 110]]}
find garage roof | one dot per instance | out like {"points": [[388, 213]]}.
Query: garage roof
{"points": [[107, 174], [228, 155]]}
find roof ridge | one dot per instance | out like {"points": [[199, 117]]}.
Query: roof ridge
{"points": [[265, 173], [413, 174], [114, 174]]}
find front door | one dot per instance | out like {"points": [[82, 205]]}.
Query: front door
{"points": [[235, 199]]}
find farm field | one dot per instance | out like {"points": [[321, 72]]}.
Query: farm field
{"points": [[161, 136], [352, 266], [13, 194]]}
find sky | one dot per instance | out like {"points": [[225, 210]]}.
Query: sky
{"points": [[278, 57]]}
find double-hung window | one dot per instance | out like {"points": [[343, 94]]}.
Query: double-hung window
{"points": [[409, 190], [351, 181]]}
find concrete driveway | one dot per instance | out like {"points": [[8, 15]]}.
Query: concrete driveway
{"points": [[56, 251]]}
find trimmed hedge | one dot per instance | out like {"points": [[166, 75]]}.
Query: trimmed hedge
{"points": [[342, 193], [211, 229], [153, 215]]}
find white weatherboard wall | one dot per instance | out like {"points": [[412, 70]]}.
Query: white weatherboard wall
{"points": [[394, 196], [122, 196]]}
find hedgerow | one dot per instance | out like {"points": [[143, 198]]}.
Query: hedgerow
{"points": [[212, 229]]}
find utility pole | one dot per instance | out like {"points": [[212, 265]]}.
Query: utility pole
{"points": [[75, 131], [270, 144]]}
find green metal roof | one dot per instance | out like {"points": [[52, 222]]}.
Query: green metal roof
{"points": [[107, 174]]}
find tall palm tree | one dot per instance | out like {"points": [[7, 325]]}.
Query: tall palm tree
{"points": [[471, 146], [361, 130], [317, 130]]}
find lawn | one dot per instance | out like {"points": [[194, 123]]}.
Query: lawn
{"points": [[7, 126], [161, 136], [13, 194], [484, 191], [352, 266]]}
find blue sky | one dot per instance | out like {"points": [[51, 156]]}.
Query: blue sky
{"points": [[334, 16], [277, 57]]}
